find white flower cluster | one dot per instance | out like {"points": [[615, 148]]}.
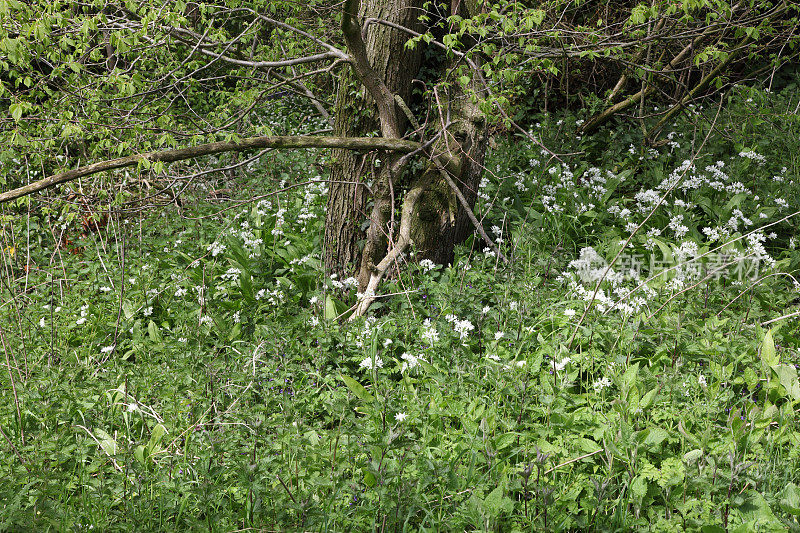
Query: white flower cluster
{"points": [[520, 183], [758, 158], [591, 266], [279, 222], [561, 365], [601, 384], [231, 274], [427, 265], [346, 284], [369, 363], [216, 248], [755, 247], [370, 328], [429, 333], [410, 362], [676, 225], [84, 312], [482, 189], [462, 327]]}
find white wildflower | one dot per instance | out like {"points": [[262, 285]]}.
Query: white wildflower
{"points": [[429, 332], [410, 361], [215, 248], [463, 327], [601, 384], [427, 265], [369, 364]]}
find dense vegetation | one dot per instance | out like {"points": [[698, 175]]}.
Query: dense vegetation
{"points": [[183, 367], [202, 336]]}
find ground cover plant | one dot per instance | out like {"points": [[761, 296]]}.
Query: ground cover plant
{"points": [[188, 367]]}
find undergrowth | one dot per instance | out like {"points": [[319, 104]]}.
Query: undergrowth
{"points": [[186, 368]]}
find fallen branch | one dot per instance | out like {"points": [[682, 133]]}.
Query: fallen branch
{"points": [[603, 117], [243, 145], [701, 85]]}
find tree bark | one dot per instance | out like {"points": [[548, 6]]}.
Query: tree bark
{"points": [[441, 221], [348, 197]]}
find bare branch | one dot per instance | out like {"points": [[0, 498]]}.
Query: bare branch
{"points": [[243, 145], [471, 214]]}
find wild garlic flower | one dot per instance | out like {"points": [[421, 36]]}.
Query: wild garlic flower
{"points": [[368, 363], [601, 384], [429, 333], [561, 365], [463, 327], [216, 248], [427, 265], [409, 361], [758, 158]]}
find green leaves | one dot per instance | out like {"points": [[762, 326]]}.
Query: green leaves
{"points": [[356, 388], [779, 374], [769, 357], [790, 499], [16, 111], [144, 454]]}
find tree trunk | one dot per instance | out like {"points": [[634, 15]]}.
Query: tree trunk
{"points": [[441, 221], [348, 198]]}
